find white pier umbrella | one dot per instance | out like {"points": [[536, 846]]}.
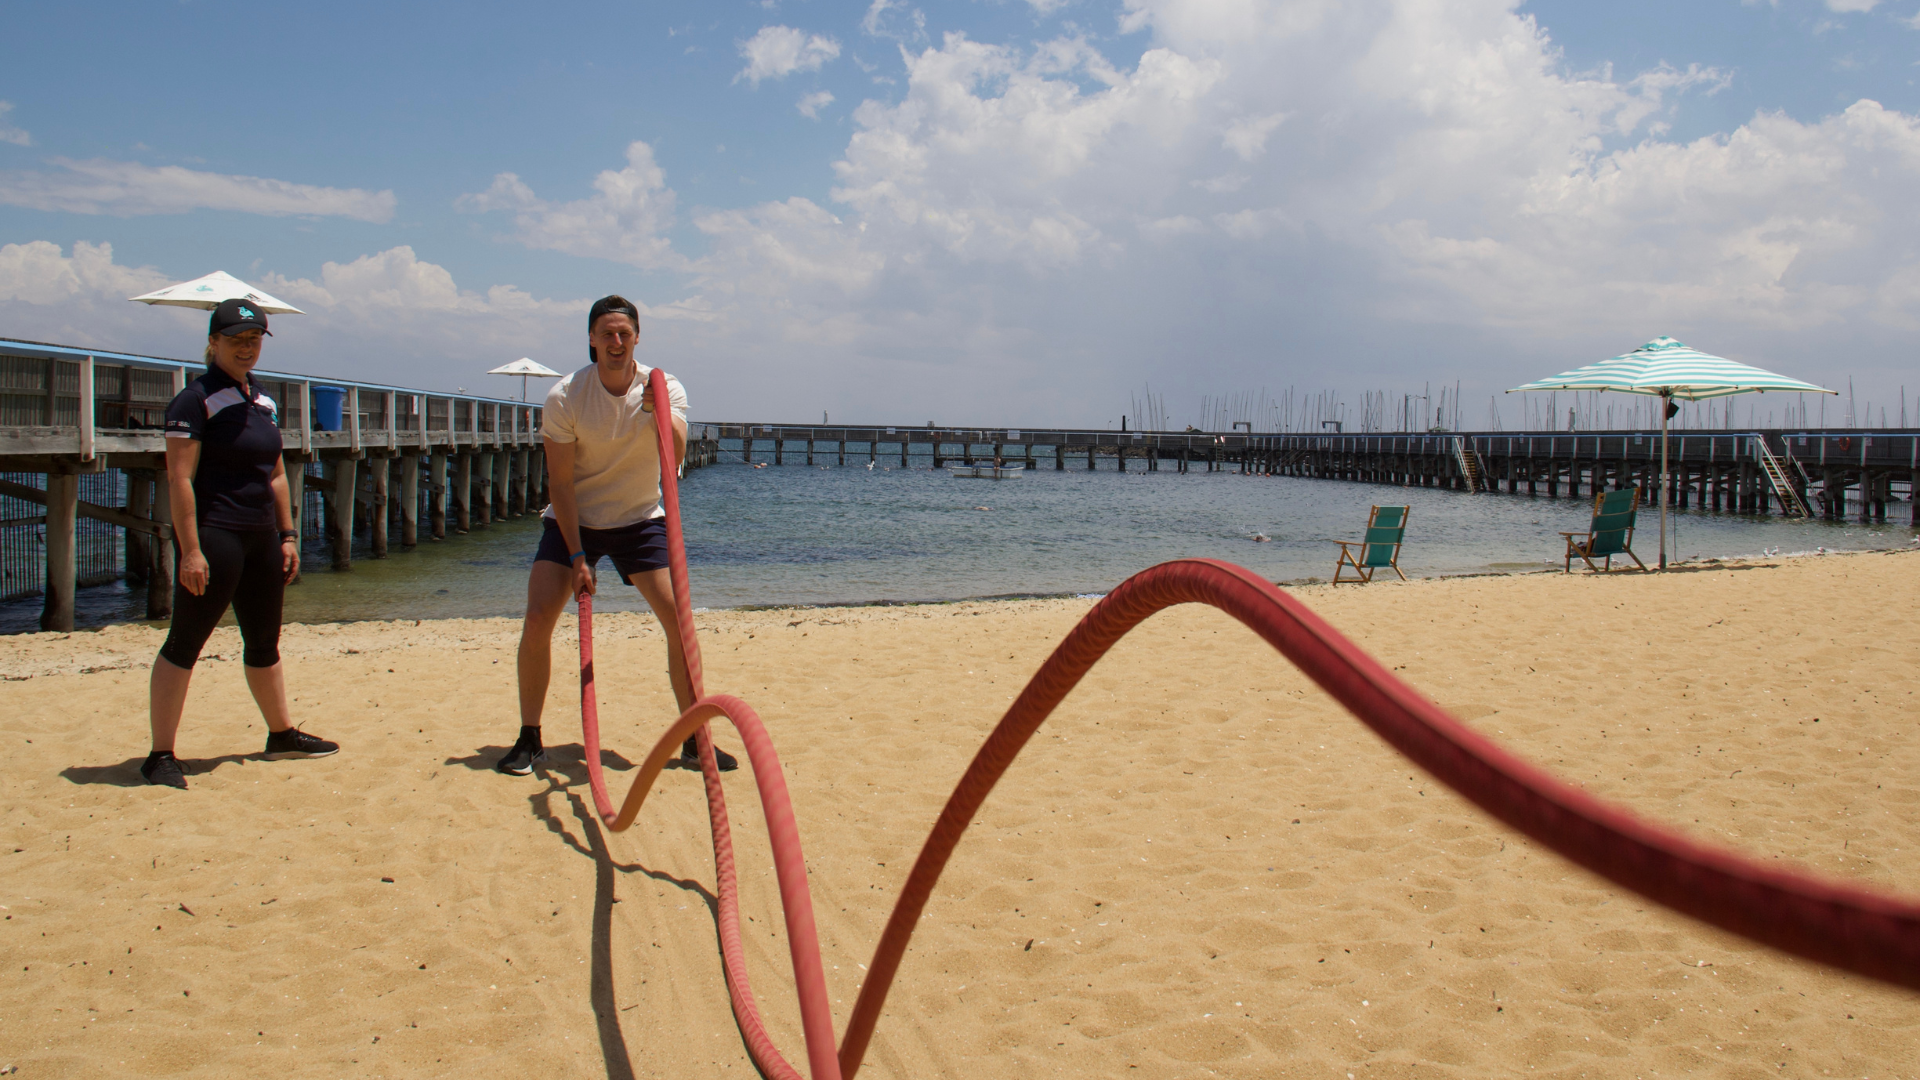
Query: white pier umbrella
{"points": [[1666, 369], [207, 293], [526, 369]]}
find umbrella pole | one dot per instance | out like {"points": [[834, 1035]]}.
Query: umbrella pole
{"points": [[1665, 482]]}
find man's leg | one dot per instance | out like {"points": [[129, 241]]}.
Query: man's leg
{"points": [[549, 586], [657, 587]]}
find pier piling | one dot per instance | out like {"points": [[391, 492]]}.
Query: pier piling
{"points": [[160, 570], [463, 493], [437, 496], [380, 472], [139, 545], [340, 512], [63, 505], [410, 501]]}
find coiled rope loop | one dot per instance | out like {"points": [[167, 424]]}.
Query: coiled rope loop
{"points": [[1837, 924]]}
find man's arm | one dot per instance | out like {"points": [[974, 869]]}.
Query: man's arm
{"points": [[679, 441], [566, 512]]}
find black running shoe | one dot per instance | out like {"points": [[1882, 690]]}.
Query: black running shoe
{"points": [[162, 768], [520, 760], [690, 757], [294, 743]]}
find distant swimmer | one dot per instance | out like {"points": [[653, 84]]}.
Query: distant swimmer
{"points": [[233, 531], [1260, 538], [603, 467]]}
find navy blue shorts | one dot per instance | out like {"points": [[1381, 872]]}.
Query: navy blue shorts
{"points": [[634, 549]]}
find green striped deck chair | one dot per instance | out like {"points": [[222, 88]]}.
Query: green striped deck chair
{"points": [[1610, 534], [1385, 527]]}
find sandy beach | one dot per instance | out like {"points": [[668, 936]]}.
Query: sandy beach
{"points": [[1201, 866]]}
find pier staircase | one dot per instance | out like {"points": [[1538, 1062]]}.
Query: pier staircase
{"points": [[1470, 465], [1777, 478]]}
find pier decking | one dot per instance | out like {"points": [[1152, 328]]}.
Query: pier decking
{"points": [[1828, 473], [400, 460]]}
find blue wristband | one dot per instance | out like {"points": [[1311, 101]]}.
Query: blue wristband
{"points": [[576, 555]]}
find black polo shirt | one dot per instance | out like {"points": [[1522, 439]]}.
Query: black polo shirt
{"points": [[239, 437]]}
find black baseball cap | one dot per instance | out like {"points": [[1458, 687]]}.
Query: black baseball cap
{"points": [[233, 316], [609, 305]]}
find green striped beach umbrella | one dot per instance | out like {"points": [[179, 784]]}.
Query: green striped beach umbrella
{"points": [[1667, 369]]}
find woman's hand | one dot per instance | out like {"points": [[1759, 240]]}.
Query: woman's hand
{"points": [[290, 559], [583, 578], [193, 571]]}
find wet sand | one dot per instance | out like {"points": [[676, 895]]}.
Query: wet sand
{"points": [[1200, 867]]}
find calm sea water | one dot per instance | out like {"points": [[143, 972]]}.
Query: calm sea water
{"points": [[812, 535]]}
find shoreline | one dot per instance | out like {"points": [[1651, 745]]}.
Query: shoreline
{"points": [[1673, 565]]}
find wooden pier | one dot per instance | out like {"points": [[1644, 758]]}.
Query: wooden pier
{"points": [[402, 460], [1827, 473]]}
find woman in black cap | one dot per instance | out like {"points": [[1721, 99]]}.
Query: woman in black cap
{"points": [[233, 531]]}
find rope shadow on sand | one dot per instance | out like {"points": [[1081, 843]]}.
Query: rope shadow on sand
{"points": [[591, 842]]}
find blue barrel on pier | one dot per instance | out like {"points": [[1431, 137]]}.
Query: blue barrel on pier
{"points": [[327, 407]]}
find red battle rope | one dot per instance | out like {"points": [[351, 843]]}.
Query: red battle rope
{"points": [[1836, 924]]}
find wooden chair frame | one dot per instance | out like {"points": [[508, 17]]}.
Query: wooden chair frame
{"points": [[1363, 569], [1580, 544]]}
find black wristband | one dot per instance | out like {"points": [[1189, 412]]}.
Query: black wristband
{"points": [[289, 534]]}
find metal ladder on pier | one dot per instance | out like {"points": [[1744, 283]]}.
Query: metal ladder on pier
{"points": [[1776, 474], [1470, 466]]}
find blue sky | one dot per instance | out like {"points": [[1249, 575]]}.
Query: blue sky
{"points": [[995, 212]]}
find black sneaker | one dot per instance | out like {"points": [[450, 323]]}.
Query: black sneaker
{"points": [[294, 743], [162, 768], [690, 757], [520, 760]]}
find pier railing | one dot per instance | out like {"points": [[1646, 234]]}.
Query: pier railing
{"points": [[1827, 472], [83, 454], [64, 401]]}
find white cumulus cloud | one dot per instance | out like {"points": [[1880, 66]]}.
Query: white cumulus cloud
{"points": [[128, 189], [1248, 137], [9, 133], [1361, 195], [388, 317], [778, 51], [811, 105], [624, 220]]}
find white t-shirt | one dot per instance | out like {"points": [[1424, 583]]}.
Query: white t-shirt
{"points": [[616, 454]]}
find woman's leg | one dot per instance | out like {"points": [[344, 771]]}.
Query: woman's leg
{"points": [[194, 618], [166, 700], [269, 688], [257, 603]]}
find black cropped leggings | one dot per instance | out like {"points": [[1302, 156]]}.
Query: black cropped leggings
{"points": [[245, 571]]}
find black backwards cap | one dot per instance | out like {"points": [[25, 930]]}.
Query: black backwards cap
{"points": [[233, 316], [609, 305]]}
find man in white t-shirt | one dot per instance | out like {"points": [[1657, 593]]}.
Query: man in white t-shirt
{"points": [[603, 468]]}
